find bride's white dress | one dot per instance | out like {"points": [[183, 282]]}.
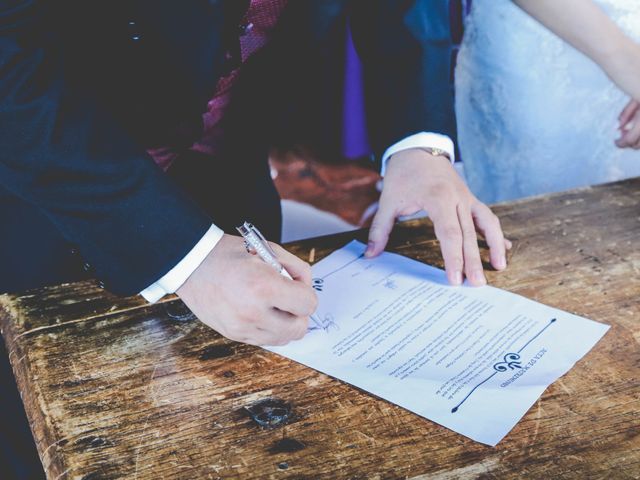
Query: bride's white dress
{"points": [[534, 114]]}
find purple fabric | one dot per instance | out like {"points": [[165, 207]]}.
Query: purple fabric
{"points": [[355, 140]]}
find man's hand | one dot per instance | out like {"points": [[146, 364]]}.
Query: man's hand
{"points": [[416, 180], [630, 126], [247, 300]]}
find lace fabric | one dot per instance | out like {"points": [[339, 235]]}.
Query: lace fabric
{"points": [[534, 114]]}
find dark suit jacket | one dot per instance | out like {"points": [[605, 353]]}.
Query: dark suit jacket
{"points": [[85, 86]]}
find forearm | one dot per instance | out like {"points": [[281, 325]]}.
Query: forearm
{"points": [[581, 23], [585, 26]]}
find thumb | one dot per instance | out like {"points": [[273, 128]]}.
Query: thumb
{"points": [[380, 229]]}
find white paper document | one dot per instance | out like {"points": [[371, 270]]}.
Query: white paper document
{"points": [[471, 359]]}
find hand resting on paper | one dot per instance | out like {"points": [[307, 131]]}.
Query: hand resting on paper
{"points": [[416, 180], [247, 300]]}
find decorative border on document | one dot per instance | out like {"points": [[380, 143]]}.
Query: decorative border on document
{"points": [[510, 361]]}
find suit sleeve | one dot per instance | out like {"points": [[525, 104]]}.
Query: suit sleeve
{"points": [[406, 51], [64, 154]]}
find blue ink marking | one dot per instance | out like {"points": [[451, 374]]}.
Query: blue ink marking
{"points": [[390, 284], [318, 284], [510, 360], [455, 409], [548, 325], [327, 324], [343, 266]]}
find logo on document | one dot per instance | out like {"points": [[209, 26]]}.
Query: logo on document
{"points": [[510, 362], [317, 284]]}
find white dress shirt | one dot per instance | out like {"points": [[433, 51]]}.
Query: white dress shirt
{"points": [[174, 279]]}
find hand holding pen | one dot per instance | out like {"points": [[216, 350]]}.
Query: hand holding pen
{"points": [[261, 299], [255, 242]]}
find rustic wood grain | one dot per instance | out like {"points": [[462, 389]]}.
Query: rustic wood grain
{"points": [[115, 388]]}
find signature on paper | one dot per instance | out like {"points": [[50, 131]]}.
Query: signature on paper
{"points": [[390, 284], [326, 323]]}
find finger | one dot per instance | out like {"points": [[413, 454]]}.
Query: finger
{"points": [[380, 229], [295, 298], [628, 112], [279, 328], [268, 289], [296, 327], [262, 338], [298, 269], [630, 137], [489, 225], [449, 233], [264, 327], [470, 252]]}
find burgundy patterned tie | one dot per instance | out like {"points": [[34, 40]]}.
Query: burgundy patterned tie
{"points": [[253, 33]]}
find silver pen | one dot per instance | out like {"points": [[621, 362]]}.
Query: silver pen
{"points": [[256, 241]]}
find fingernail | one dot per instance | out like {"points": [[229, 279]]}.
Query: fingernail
{"points": [[369, 251], [457, 277], [501, 263], [478, 277]]}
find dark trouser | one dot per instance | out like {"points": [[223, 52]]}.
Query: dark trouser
{"points": [[18, 457], [34, 254]]}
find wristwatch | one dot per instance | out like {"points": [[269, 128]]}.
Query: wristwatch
{"points": [[436, 152]]}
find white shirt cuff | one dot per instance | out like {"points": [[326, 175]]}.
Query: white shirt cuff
{"points": [[174, 279], [420, 140]]}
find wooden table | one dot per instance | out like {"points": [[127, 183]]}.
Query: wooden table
{"points": [[115, 388]]}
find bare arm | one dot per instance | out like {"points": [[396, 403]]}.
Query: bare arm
{"points": [[584, 25]]}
